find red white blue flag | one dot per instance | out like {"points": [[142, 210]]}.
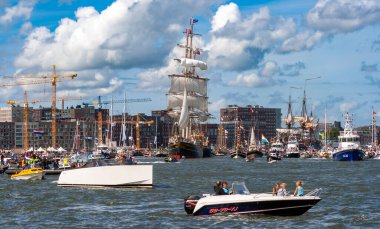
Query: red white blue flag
{"points": [[193, 21]]}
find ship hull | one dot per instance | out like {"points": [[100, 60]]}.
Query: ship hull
{"points": [[293, 155], [349, 155], [207, 152], [186, 149]]}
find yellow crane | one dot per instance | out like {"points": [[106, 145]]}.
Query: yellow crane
{"points": [[26, 112], [21, 83], [54, 81]]}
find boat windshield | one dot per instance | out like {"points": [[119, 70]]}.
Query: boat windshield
{"points": [[240, 188]]}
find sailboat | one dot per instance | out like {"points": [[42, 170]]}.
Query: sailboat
{"points": [[253, 148], [188, 102]]}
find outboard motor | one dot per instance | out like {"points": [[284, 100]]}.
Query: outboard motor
{"points": [[190, 203]]}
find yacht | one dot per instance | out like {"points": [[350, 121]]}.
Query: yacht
{"points": [[292, 149], [349, 144], [276, 151], [105, 173], [241, 201]]}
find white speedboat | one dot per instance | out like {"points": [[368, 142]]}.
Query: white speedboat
{"points": [[241, 201], [99, 173]]}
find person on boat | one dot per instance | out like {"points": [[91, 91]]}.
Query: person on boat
{"points": [[2, 159], [282, 191], [275, 189], [299, 189], [218, 188], [225, 189]]}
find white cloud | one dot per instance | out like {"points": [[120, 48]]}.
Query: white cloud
{"points": [[269, 69], [127, 34], [225, 14], [335, 16], [215, 106], [251, 80], [23, 9], [301, 41], [26, 28]]}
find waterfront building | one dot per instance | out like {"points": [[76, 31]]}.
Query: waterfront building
{"points": [[7, 135], [263, 120]]}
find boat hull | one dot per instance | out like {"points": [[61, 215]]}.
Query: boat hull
{"points": [[293, 155], [186, 149], [29, 174], [109, 176], [279, 206], [349, 155], [257, 153], [207, 152]]}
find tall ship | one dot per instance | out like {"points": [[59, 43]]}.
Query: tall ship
{"points": [[188, 102], [349, 144]]}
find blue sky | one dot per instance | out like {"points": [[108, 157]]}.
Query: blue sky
{"points": [[255, 50]]}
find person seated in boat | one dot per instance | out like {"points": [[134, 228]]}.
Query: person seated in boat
{"points": [[218, 188], [282, 190], [275, 189], [299, 189], [225, 189]]}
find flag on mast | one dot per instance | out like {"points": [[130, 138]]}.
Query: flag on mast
{"points": [[193, 21]]}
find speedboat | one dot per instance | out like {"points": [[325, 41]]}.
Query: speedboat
{"points": [[104, 173], [241, 201], [29, 174]]}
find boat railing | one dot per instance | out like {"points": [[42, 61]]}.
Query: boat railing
{"points": [[314, 192]]}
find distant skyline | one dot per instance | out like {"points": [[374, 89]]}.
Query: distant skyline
{"points": [[255, 50]]}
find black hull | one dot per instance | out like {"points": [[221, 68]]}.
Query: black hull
{"points": [[256, 153], [186, 149], [277, 208], [293, 155], [349, 155], [207, 152]]}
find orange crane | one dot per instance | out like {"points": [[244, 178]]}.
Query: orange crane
{"points": [[100, 115], [138, 122], [54, 81], [26, 112]]}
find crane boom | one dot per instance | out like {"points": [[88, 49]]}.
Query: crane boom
{"points": [[53, 80]]}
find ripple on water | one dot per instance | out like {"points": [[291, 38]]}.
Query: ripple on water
{"points": [[349, 197]]}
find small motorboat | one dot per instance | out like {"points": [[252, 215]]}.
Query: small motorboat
{"points": [[241, 201], [29, 174], [104, 173]]}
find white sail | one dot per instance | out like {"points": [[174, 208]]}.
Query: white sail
{"points": [[193, 85], [252, 140], [183, 119], [186, 62], [194, 102]]}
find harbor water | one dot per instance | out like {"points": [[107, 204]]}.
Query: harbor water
{"points": [[350, 196]]}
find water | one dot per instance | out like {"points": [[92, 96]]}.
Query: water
{"points": [[350, 197]]}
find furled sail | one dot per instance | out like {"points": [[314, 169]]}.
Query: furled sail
{"points": [[183, 119], [186, 62]]}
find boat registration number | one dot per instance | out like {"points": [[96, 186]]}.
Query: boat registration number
{"points": [[221, 210]]}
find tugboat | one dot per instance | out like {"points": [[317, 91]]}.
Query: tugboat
{"points": [[349, 144], [241, 201], [188, 103]]}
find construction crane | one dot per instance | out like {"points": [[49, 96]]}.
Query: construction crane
{"points": [[54, 81], [21, 83], [137, 123], [26, 112], [100, 103]]}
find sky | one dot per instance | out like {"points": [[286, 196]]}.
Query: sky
{"points": [[258, 52]]}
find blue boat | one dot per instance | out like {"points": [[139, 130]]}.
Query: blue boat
{"points": [[349, 155], [349, 143]]}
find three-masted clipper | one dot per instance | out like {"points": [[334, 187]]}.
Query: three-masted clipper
{"points": [[188, 103]]}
